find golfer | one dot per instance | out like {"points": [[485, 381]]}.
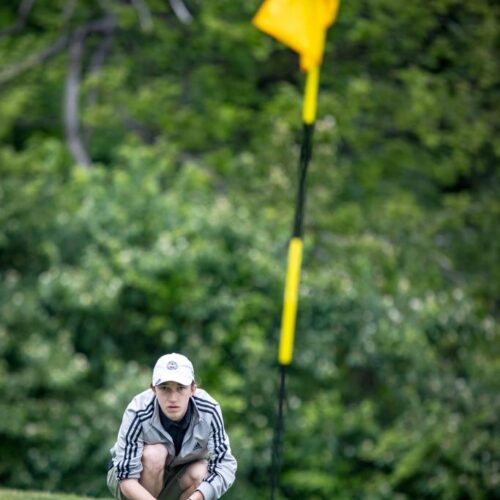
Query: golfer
{"points": [[172, 444]]}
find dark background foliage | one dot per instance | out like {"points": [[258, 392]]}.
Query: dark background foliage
{"points": [[147, 181]]}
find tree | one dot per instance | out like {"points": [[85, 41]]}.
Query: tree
{"points": [[175, 240], [84, 33]]}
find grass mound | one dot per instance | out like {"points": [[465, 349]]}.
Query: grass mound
{"points": [[37, 495]]}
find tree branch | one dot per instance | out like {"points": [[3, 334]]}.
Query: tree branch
{"points": [[71, 102], [16, 69], [68, 11], [145, 19], [96, 63], [22, 14], [100, 53], [101, 25], [73, 82], [181, 11]]}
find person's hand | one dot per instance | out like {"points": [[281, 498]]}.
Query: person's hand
{"points": [[197, 495]]}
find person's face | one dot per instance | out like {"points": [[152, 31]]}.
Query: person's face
{"points": [[174, 398]]}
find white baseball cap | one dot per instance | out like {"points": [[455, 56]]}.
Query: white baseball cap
{"points": [[173, 368]]}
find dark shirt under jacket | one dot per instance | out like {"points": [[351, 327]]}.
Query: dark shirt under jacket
{"points": [[177, 430]]}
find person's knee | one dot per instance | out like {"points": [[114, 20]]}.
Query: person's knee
{"points": [[154, 457], [194, 475]]}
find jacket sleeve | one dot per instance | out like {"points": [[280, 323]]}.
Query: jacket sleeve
{"points": [[221, 463], [130, 443]]}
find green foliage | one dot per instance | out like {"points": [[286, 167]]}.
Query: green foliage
{"points": [[175, 239]]}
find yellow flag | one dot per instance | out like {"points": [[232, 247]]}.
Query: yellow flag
{"points": [[300, 24]]}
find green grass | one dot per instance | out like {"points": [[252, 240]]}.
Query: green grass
{"points": [[36, 495]]}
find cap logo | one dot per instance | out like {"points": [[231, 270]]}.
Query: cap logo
{"points": [[172, 365]]}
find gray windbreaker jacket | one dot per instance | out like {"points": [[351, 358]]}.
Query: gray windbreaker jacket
{"points": [[205, 437]]}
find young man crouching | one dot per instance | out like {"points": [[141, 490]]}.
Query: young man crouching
{"points": [[172, 444]]}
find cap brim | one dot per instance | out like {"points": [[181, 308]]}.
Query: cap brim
{"points": [[178, 379]]}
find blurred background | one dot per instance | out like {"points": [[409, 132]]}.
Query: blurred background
{"points": [[148, 165]]}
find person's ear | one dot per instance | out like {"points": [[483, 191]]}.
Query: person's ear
{"points": [[193, 387]]}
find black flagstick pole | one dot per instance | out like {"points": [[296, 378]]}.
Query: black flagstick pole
{"points": [[293, 269]]}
